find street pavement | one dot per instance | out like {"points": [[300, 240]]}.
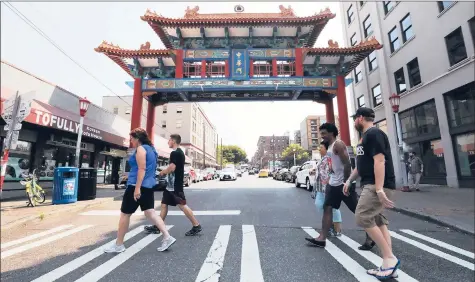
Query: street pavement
{"points": [[253, 231]]}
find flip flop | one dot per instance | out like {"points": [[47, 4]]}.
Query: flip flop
{"points": [[375, 271], [392, 269]]}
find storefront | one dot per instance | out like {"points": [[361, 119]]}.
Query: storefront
{"points": [[421, 134], [460, 105]]}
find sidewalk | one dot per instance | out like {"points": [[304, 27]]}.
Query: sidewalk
{"points": [[14, 211], [446, 206]]}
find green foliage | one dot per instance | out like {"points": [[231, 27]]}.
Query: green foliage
{"points": [[300, 154], [232, 154]]}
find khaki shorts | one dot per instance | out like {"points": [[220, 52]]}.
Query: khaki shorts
{"points": [[369, 209]]}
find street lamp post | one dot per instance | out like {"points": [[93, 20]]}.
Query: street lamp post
{"points": [[395, 99], [83, 106], [295, 162]]}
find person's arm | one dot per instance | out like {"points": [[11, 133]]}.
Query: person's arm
{"points": [[377, 146], [422, 165], [379, 163], [172, 166], [354, 174], [342, 152], [141, 158]]}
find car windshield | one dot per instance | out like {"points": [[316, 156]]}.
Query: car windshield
{"points": [[228, 169]]}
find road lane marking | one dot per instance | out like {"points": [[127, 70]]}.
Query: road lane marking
{"points": [[433, 251], [346, 261], [102, 270], [374, 259], [82, 260], [210, 270], [117, 212], [251, 270], [34, 236], [440, 243], [43, 241]]}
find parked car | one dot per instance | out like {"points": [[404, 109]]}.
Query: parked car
{"points": [[238, 172], [228, 173], [208, 174], [199, 175], [303, 174], [161, 183], [263, 173], [216, 174], [290, 175], [251, 172], [191, 172], [281, 174]]}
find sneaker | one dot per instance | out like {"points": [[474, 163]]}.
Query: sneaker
{"points": [[152, 229], [331, 232], [193, 231], [166, 243], [114, 248]]}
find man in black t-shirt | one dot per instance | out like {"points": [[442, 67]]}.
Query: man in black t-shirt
{"points": [[174, 194], [375, 167]]}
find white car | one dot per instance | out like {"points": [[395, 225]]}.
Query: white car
{"points": [[306, 174], [199, 175], [227, 174]]}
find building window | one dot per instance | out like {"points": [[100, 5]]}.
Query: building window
{"points": [[179, 123], [164, 124], [420, 120], [165, 109], [350, 15], [444, 5], [377, 98], [400, 81], [116, 110], [388, 6], [382, 125], [19, 161], [127, 111], [368, 28], [353, 39], [432, 154], [314, 135], [179, 109], [460, 104], [358, 74], [360, 101], [394, 40], [194, 126], [414, 72], [406, 27], [313, 122], [285, 68], [314, 128], [465, 152], [262, 69], [471, 24], [456, 46], [372, 62]]}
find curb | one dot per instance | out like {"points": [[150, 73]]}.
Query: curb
{"points": [[433, 219], [52, 213]]}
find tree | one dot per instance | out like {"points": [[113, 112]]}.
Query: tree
{"points": [[300, 154], [232, 154]]}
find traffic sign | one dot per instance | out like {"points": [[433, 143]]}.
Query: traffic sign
{"points": [[8, 107], [8, 125], [13, 136]]}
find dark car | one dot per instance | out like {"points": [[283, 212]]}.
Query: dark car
{"points": [[161, 180], [291, 174], [281, 174], [251, 172]]}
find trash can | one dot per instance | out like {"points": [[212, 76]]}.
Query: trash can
{"points": [[65, 185], [87, 184]]}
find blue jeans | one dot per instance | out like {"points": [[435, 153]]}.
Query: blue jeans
{"points": [[319, 200]]}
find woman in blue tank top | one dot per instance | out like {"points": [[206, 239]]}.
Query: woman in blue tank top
{"points": [[139, 191]]}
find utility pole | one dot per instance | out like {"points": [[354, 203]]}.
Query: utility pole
{"points": [[204, 146], [221, 153], [273, 151], [217, 148]]}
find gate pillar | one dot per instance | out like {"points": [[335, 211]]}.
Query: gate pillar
{"points": [[136, 104], [329, 111], [343, 111], [151, 120]]}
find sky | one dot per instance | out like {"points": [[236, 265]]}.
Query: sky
{"points": [[80, 27]]}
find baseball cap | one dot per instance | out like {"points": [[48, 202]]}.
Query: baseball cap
{"points": [[364, 112]]}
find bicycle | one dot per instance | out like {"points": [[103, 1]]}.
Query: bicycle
{"points": [[34, 192]]}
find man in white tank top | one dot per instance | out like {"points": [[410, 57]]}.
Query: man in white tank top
{"points": [[340, 170]]}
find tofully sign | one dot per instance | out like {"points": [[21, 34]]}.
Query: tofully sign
{"points": [[50, 120]]}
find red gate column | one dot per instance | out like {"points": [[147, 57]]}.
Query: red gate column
{"points": [[136, 104], [150, 120], [343, 111], [329, 111]]}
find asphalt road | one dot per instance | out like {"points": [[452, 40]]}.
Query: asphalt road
{"points": [[253, 231]]}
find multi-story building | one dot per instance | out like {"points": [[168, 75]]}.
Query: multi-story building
{"points": [[310, 131], [270, 148], [197, 133], [297, 137], [428, 59]]}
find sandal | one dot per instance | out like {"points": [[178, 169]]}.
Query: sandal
{"points": [[375, 271], [392, 269]]}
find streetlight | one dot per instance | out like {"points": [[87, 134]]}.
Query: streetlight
{"points": [[83, 106], [395, 99], [294, 150]]}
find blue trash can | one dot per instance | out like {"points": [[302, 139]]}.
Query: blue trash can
{"points": [[65, 185]]}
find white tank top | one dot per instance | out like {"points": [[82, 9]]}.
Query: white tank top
{"points": [[337, 169]]}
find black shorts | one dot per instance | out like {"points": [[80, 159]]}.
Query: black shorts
{"points": [[173, 198], [146, 201], [334, 196]]}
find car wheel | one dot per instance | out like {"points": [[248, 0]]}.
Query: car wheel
{"points": [[307, 184], [297, 184]]}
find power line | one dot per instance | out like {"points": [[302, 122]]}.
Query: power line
{"points": [[45, 36]]}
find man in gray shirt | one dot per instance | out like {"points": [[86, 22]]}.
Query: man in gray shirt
{"points": [[416, 167]]}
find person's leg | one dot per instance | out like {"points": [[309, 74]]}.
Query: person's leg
{"points": [[410, 180], [352, 202], [189, 214], [417, 179], [319, 199], [157, 221], [124, 222], [337, 221], [163, 211]]}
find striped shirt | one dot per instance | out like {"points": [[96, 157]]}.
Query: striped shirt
{"points": [[323, 169]]}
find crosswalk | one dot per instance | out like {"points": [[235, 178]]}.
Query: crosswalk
{"points": [[227, 242]]}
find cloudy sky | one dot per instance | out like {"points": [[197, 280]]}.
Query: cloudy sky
{"points": [[80, 27]]}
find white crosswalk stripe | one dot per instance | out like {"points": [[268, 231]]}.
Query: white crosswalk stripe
{"points": [[138, 213], [211, 269], [41, 242], [35, 236]]}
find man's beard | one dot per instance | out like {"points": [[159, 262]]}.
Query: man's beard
{"points": [[359, 127]]}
